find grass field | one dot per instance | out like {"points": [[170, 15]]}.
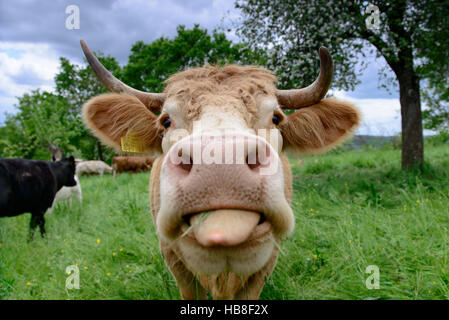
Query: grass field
{"points": [[353, 209]]}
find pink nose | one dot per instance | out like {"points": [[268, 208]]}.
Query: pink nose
{"points": [[221, 172], [197, 156]]}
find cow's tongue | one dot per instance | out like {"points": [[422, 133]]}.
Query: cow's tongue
{"points": [[224, 227]]}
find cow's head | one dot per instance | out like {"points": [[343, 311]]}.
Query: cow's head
{"points": [[221, 190]]}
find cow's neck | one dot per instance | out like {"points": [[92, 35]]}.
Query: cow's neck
{"points": [[59, 175]]}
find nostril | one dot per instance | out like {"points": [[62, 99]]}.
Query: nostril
{"points": [[186, 165], [185, 161], [259, 157]]}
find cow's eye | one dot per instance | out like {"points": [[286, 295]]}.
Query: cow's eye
{"points": [[276, 119], [166, 122]]}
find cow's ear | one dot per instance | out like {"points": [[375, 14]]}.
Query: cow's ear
{"points": [[320, 127], [112, 116]]}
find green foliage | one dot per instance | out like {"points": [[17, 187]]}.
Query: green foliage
{"points": [[151, 64], [439, 139], [77, 84], [436, 96], [357, 209], [42, 118]]}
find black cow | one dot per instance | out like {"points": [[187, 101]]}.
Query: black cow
{"points": [[31, 186]]}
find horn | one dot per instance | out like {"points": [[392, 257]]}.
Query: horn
{"points": [[304, 97], [153, 101]]}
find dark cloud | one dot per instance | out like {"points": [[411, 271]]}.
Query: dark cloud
{"points": [[27, 77], [109, 26]]}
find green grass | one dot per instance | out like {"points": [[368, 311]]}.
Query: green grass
{"points": [[353, 209]]}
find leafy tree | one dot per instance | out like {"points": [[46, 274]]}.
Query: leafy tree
{"points": [[150, 64], [42, 117], [410, 35], [77, 84], [436, 117]]}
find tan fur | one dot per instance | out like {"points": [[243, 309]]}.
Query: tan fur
{"points": [[320, 127], [111, 115], [227, 87], [234, 89], [131, 164]]}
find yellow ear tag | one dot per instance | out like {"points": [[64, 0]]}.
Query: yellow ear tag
{"points": [[132, 143]]}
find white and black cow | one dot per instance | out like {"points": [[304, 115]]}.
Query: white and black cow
{"points": [[31, 186]]}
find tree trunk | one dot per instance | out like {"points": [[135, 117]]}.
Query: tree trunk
{"points": [[100, 151], [412, 131]]}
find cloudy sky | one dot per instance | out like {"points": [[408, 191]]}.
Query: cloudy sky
{"points": [[33, 35]]}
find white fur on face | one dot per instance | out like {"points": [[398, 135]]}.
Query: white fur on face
{"points": [[213, 120], [267, 106]]}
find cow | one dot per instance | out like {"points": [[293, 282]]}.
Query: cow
{"points": [[92, 167], [67, 193], [131, 164], [55, 151], [31, 186], [220, 223]]}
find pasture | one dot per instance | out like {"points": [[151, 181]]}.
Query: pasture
{"points": [[353, 209]]}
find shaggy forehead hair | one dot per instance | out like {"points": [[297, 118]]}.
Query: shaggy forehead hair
{"points": [[226, 87]]}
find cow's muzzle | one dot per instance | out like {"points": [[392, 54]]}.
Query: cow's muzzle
{"points": [[223, 189]]}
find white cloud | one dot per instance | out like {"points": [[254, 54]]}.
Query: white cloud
{"points": [[381, 117], [24, 67]]}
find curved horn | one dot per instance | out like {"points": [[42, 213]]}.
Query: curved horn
{"points": [[300, 98], [152, 101]]}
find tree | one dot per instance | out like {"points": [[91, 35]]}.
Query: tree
{"points": [[77, 84], [150, 64], [42, 118], [436, 116], [410, 35]]}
